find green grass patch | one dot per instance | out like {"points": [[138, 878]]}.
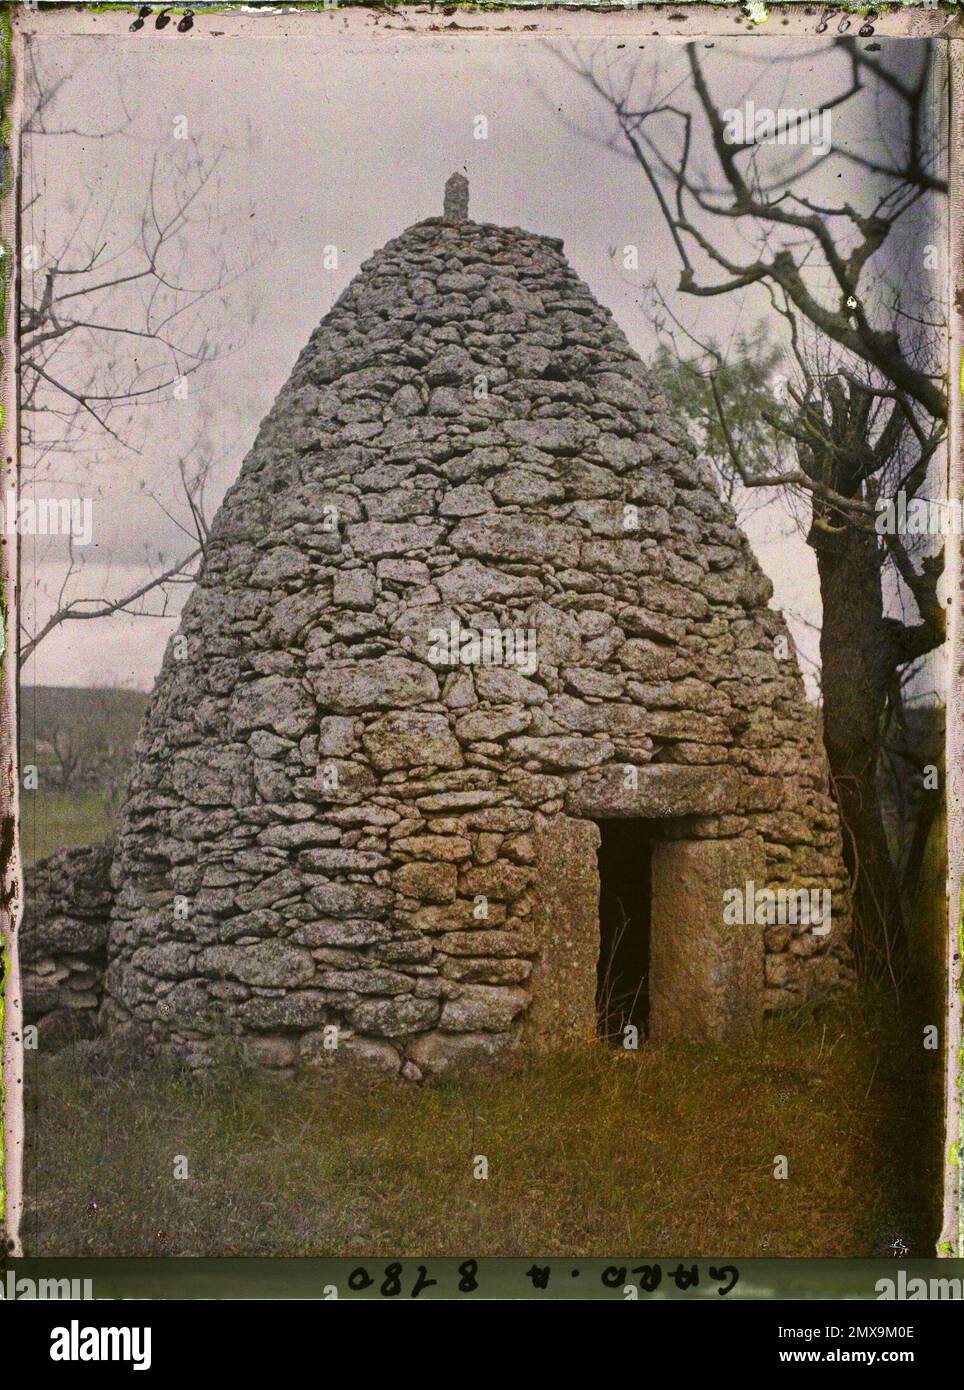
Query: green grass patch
{"points": [[667, 1151], [62, 819]]}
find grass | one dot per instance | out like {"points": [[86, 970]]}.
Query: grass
{"points": [[61, 819], [668, 1151]]}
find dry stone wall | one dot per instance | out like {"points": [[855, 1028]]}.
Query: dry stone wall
{"points": [[63, 943], [330, 825]]}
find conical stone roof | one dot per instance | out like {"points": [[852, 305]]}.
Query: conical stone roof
{"points": [[333, 824]]}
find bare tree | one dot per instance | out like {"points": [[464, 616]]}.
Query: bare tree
{"points": [[864, 413], [120, 307]]}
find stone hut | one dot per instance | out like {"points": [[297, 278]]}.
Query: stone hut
{"points": [[478, 732]]}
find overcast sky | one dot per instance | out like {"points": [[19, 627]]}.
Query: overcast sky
{"points": [[345, 142]]}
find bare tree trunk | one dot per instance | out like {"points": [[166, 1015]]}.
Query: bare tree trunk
{"points": [[857, 671]]}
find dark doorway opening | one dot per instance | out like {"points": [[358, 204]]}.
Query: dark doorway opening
{"points": [[622, 975]]}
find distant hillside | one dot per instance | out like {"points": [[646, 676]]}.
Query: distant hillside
{"points": [[79, 739]]}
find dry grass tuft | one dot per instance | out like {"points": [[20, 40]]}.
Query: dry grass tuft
{"points": [[668, 1151]]}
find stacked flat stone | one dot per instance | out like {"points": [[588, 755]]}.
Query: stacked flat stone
{"points": [[63, 943], [324, 829], [456, 204]]}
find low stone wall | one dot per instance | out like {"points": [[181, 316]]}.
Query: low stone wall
{"points": [[63, 942]]}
